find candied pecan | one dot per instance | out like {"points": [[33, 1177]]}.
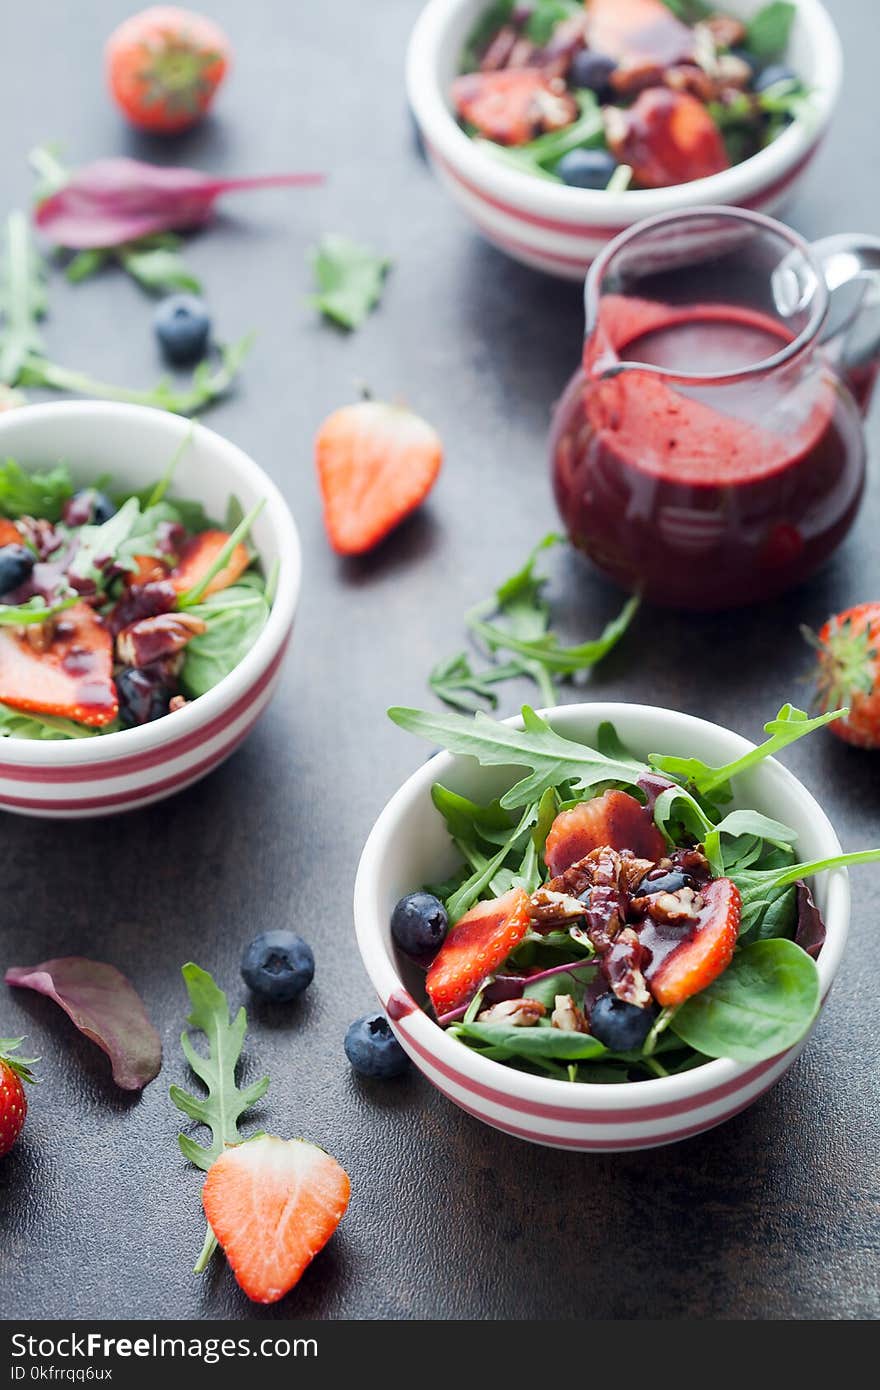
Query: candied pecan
{"points": [[567, 1016], [732, 71], [516, 1013], [622, 966], [726, 30], [551, 909], [632, 77], [632, 871], [523, 54], [146, 640], [177, 702], [690, 78], [567, 39], [554, 106], [681, 906], [40, 534], [142, 601], [39, 636], [500, 48], [694, 863]]}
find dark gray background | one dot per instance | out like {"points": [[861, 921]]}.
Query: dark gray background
{"points": [[773, 1215]]}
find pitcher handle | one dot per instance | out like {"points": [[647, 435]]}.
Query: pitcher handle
{"points": [[850, 264]]}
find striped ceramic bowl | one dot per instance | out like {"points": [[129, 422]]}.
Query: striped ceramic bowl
{"points": [[409, 846], [560, 229], [117, 772]]}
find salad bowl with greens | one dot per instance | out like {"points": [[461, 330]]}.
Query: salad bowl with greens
{"points": [[149, 573], [637, 916]]}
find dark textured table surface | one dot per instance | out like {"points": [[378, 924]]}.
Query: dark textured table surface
{"points": [[774, 1215]]}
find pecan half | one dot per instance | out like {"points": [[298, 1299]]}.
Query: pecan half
{"points": [[726, 30], [681, 906], [632, 871], [147, 640], [567, 1016], [516, 1013], [551, 909], [622, 967], [39, 636]]}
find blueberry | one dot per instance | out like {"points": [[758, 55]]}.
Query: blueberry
{"points": [[88, 507], [419, 924], [16, 563], [182, 325], [620, 1026], [591, 71], [372, 1048], [663, 883], [142, 697], [278, 965], [586, 168], [776, 72]]}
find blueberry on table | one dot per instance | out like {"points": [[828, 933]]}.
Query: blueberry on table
{"points": [[16, 563], [278, 965], [591, 71], [372, 1048], [776, 72], [143, 697], [586, 168], [620, 1026], [182, 325], [88, 507], [419, 924]]}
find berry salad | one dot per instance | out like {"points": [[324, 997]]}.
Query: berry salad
{"points": [[116, 609], [612, 94], [615, 920]]}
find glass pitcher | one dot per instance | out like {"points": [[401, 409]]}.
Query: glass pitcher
{"points": [[710, 451]]}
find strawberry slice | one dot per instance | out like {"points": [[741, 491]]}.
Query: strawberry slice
{"points": [[376, 463], [198, 555], [635, 32], [273, 1204], [9, 532], [149, 570], [63, 667], [699, 960], [514, 105], [614, 819], [667, 138], [475, 947]]}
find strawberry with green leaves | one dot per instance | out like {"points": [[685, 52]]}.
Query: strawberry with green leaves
{"points": [[848, 672], [164, 66], [14, 1072]]}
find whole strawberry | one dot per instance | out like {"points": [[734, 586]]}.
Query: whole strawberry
{"points": [[848, 672], [13, 1101]]}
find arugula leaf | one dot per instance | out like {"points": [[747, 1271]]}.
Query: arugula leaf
{"points": [[483, 31], [484, 869], [158, 269], [349, 277], [15, 723], [547, 652], [551, 758], [764, 1002], [451, 680], [768, 31], [689, 11], [98, 544], [34, 494], [222, 1107], [235, 617], [35, 610], [23, 301], [789, 725], [749, 824], [85, 264], [546, 15]]}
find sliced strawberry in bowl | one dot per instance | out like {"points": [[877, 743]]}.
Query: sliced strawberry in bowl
{"points": [[63, 667], [515, 105], [273, 1204], [666, 138], [614, 819], [475, 947], [198, 555], [706, 953]]}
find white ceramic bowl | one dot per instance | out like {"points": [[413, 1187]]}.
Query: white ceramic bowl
{"points": [[560, 229], [409, 845], [119, 771]]}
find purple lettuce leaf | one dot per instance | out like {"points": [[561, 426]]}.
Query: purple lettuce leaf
{"points": [[103, 1005], [810, 931]]}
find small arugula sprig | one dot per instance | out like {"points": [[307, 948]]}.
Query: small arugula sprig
{"points": [[223, 1106], [23, 361], [153, 261], [350, 279], [516, 620]]}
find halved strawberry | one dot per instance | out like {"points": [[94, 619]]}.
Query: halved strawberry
{"points": [[148, 570], [273, 1204], [667, 138], [69, 675], [514, 105], [9, 532], [376, 463], [475, 947], [699, 960], [633, 31], [614, 819], [198, 555]]}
